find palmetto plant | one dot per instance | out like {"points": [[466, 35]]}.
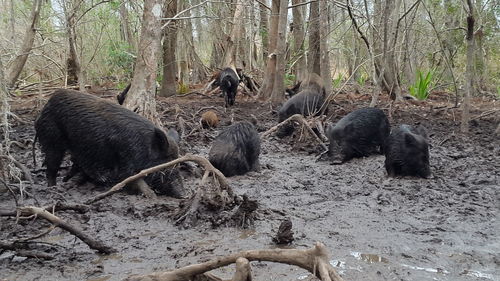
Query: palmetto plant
{"points": [[420, 89]]}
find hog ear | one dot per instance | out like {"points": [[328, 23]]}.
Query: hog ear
{"points": [[160, 140], [409, 139]]}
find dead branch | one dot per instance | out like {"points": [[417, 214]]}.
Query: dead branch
{"points": [[314, 259], [189, 157], [298, 118], [20, 249], [92, 243], [243, 270], [208, 88], [22, 167]]}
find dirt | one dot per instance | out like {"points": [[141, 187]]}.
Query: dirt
{"points": [[376, 228]]}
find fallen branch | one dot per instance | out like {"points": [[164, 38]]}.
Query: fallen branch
{"points": [[58, 206], [189, 157], [298, 118], [314, 259], [20, 249], [93, 244]]}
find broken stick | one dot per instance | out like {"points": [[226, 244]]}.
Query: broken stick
{"points": [[93, 244], [299, 118], [188, 157]]}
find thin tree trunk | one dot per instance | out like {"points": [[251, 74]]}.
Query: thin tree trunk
{"points": [[29, 37], [279, 80], [75, 73], [314, 39], [298, 54], [125, 26], [12, 22], [325, 58], [141, 95], [168, 84], [264, 31], [235, 37], [469, 71], [270, 75]]}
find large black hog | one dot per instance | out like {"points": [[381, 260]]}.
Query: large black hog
{"points": [[358, 134], [311, 96], [236, 150], [228, 83], [407, 152], [106, 141]]}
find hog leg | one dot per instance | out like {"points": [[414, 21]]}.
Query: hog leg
{"points": [[53, 161]]}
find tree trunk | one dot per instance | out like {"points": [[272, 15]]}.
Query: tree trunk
{"points": [[298, 54], [325, 58], [29, 37], [75, 73], [168, 84], [125, 27], [141, 95], [314, 39], [469, 71], [234, 39], [279, 80], [264, 31], [270, 73]]}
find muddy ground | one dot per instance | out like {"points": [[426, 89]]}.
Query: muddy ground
{"points": [[377, 228]]}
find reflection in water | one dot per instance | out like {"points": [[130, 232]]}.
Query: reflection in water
{"points": [[427, 269], [102, 278], [370, 258], [107, 257]]}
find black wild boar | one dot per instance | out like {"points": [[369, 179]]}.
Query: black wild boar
{"points": [[228, 83], [309, 99], [407, 152], [106, 141], [236, 150], [358, 134]]}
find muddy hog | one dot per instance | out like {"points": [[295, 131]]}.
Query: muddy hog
{"points": [[309, 99], [407, 152], [209, 119], [236, 150], [228, 83], [106, 141], [358, 134]]}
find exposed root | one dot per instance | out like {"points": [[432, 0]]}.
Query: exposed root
{"points": [[92, 243], [315, 260], [22, 249], [300, 119]]}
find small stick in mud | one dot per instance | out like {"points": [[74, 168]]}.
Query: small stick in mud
{"points": [[299, 118], [92, 243], [314, 259], [243, 270], [20, 250]]}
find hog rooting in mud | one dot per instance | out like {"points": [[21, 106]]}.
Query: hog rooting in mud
{"points": [[236, 150], [106, 141], [228, 83], [358, 134], [407, 152], [308, 101]]}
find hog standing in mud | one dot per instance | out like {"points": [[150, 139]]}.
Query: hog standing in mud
{"points": [[236, 150], [407, 152], [358, 134], [106, 141], [228, 83], [309, 99]]}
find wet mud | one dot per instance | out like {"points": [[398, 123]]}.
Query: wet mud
{"points": [[446, 227]]}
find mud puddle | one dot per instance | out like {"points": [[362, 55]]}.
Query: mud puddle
{"points": [[376, 228]]}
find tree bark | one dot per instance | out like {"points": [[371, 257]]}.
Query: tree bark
{"points": [[298, 54], [279, 80], [270, 73], [325, 58], [29, 37], [264, 31], [234, 39], [141, 95], [168, 84], [314, 39], [75, 73], [125, 27], [469, 71]]}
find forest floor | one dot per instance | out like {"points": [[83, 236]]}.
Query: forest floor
{"points": [[446, 227]]}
